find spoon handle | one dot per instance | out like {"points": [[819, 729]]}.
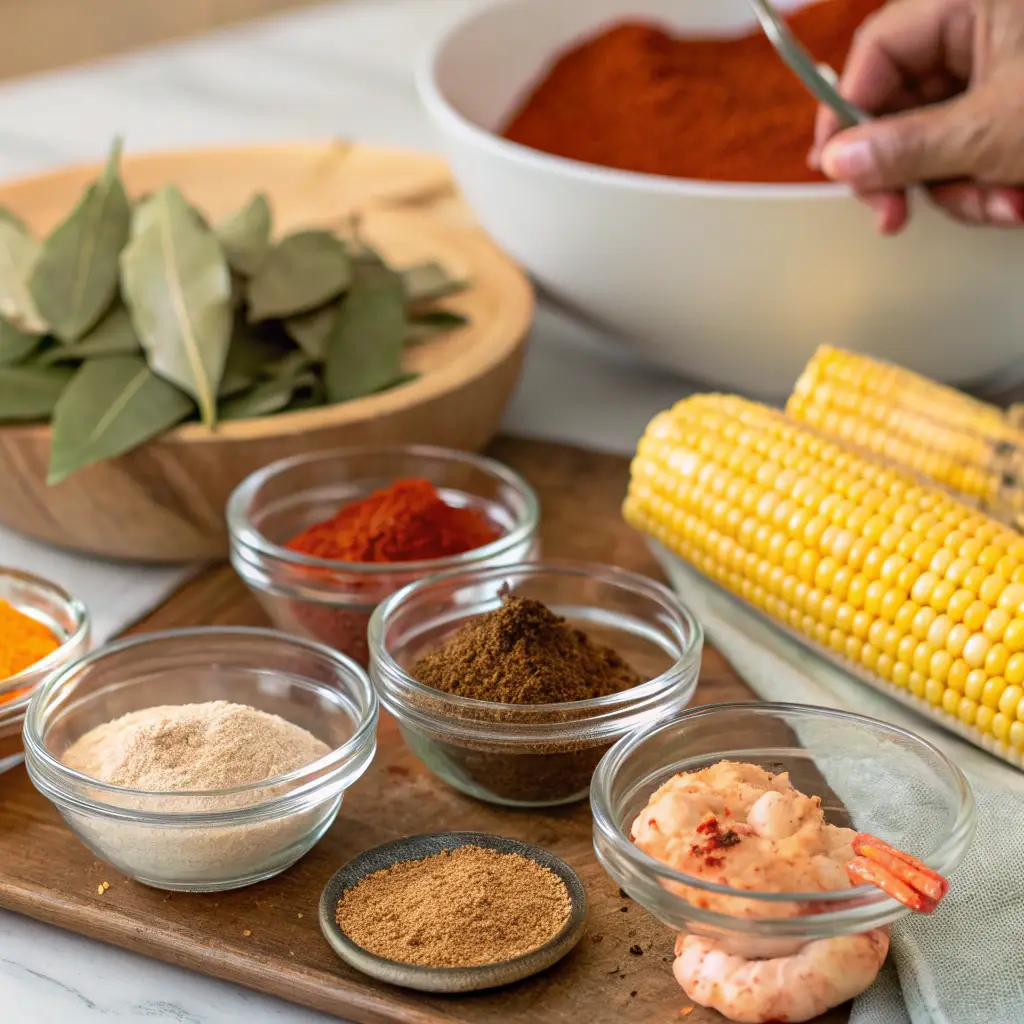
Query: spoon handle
{"points": [[819, 79]]}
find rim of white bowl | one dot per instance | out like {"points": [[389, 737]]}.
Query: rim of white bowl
{"points": [[442, 109]]}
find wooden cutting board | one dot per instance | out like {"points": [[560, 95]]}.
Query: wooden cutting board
{"points": [[266, 937]]}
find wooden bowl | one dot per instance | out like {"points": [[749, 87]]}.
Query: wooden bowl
{"points": [[164, 502]]}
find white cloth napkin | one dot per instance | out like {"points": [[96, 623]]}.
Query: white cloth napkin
{"points": [[116, 594], [965, 963]]}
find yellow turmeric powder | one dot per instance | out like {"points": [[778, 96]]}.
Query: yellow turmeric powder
{"points": [[23, 642]]}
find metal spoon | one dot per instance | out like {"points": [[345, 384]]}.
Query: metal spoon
{"points": [[819, 79]]}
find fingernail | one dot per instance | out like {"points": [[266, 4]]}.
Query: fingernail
{"points": [[1001, 210], [845, 160], [971, 206]]}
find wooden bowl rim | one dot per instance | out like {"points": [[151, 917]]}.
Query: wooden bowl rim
{"points": [[471, 363]]}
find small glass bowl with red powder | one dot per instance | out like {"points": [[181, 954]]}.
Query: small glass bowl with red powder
{"points": [[322, 539]]}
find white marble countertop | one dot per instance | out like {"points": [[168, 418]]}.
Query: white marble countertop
{"points": [[335, 70]]}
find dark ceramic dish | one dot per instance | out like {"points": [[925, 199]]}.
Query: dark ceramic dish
{"points": [[449, 979]]}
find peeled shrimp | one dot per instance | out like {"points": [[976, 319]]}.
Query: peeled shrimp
{"points": [[822, 974]]}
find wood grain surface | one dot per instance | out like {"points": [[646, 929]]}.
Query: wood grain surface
{"points": [[164, 501], [30, 39], [267, 938]]}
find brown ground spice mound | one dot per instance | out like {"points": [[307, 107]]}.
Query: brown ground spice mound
{"points": [[458, 908], [523, 653]]}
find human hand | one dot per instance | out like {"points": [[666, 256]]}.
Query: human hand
{"points": [[945, 78]]}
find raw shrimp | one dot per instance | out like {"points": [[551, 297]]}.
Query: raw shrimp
{"points": [[740, 826], [822, 974]]}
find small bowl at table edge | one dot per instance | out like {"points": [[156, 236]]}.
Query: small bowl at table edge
{"points": [[449, 979]]}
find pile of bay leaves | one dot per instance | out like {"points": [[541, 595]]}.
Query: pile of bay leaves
{"points": [[133, 317]]}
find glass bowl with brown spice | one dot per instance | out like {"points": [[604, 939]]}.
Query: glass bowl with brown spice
{"points": [[320, 539], [510, 682], [42, 628]]}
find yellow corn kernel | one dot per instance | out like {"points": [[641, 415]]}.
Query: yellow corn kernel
{"points": [[958, 442], [897, 577]]}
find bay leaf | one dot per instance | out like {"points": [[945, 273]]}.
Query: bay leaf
{"points": [[176, 284], [18, 252], [245, 235], [304, 270], [74, 279], [428, 282], [110, 407], [9, 217], [16, 346], [407, 377], [364, 350], [267, 397], [143, 210], [114, 335], [251, 355], [31, 392], [424, 326], [309, 398], [311, 330], [290, 365]]}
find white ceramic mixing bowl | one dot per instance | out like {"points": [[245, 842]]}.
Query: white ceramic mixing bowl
{"points": [[728, 284]]}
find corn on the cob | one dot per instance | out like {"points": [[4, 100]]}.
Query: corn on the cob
{"points": [[897, 576], [963, 444]]}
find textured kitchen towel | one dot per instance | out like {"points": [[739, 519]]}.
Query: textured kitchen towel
{"points": [[116, 594], [965, 963]]}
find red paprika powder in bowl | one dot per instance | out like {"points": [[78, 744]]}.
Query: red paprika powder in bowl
{"points": [[645, 161], [321, 539]]}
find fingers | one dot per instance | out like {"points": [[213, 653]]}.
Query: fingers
{"points": [[930, 144], [904, 43], [975, 204]]}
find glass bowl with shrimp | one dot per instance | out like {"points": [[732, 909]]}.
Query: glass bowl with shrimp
{"points": [[780, 841]]}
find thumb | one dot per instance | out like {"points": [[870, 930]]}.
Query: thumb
{"points": [[930, 144]]}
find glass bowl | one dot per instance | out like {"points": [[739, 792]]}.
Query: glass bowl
{"points": [[532, 755], [215, 839], [332, 601], [68, 619], [870, 775]]}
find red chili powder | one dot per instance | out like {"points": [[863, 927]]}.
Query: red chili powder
{"points": [[638, 98], [405, 522]]}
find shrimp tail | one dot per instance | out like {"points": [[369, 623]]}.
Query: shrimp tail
{"points": [[898, 874]]}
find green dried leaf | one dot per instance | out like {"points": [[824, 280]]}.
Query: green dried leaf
{"points": [[428, 282], [301, 272], [114, 335], [143, 210], [364, 350], [18, 252], [16, 346], [310, 331], [251, 356], [8, 217], [111, 406], [267, 397], [31, 392], [308, 398], [74, 280], [424, 326], [245, 235], [176, 284], [402, 378]]}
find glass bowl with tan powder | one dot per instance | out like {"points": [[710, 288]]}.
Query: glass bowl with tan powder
{"points": [[202, 759], [510, 683]]}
